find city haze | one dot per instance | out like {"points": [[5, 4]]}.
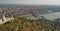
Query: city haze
{"points": [[32, 2]]}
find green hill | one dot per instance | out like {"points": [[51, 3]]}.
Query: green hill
{"points": [[22, 24]]}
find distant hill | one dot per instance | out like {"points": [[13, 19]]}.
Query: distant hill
{"points": [[21, 5]]}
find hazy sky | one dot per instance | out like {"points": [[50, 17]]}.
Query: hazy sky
{"points": [[48, 2]]}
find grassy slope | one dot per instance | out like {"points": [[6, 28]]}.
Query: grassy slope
{"points": [[22, 24]]}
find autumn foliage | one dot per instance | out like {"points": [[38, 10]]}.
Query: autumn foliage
{"points": [[22, 24]]}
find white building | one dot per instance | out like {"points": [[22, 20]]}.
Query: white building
{"points": [[4, 19]]}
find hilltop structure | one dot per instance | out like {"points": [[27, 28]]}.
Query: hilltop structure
{"points": [[4, 19]]}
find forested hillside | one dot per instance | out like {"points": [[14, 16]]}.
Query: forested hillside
{"points": [[22, 24]]}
